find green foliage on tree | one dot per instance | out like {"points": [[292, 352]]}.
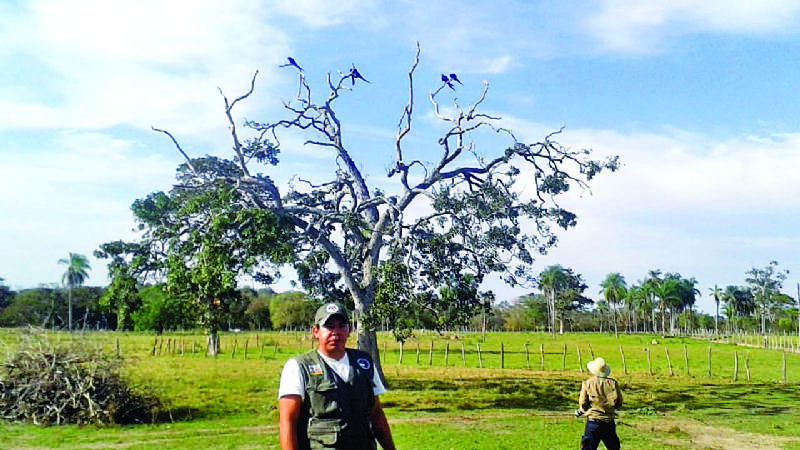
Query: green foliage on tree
{"points": [[32, 306], [6, 294], [200, 238], [291, 310], [48, 307], [122, 294], [257, 313], [161, 311], [563, 289], [765, 285]]}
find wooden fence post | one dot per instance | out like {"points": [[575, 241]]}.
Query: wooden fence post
{"points": [[417, 353], [400, 360], [747, 366], [564, 358], [541, 354], [527, 357], [649, 363], [669, 362], [709, 360], [784, 367], [446, 353], [430, 355], [580, 363], [463, 355], [735, 366], [246, 341], [624, 366], [686, 360], [480, 360], [591, 352]]}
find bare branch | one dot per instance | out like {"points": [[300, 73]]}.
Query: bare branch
{"points": [[404, 126], [237, 145], [188, 160]]}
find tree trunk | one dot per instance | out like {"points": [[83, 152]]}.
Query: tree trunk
{"points": [[213, 343], [69, 307], [553, 312], [367, 341], [614, 311]]}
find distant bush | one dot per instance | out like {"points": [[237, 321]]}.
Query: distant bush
{"points": [[45, 384]]}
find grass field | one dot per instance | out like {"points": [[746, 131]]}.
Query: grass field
{"points": [[454, 400]]}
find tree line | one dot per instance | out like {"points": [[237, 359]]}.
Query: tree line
{"points": [[659, 303]]}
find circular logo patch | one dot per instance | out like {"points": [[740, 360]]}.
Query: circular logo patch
{"points": [[363, 363], [330, 309]]}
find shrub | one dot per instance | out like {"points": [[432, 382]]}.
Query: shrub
{"points": [[45, 384]]}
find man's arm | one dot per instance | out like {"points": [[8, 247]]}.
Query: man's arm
{"points": [[380, 426], [289, 407]]}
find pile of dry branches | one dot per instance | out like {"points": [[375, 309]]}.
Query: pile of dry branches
{"points": [[45, 384]]}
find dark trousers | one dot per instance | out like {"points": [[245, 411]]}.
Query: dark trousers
{"points": [[596, 431]]}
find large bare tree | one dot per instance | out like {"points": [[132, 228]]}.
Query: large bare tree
{"points": [[478, 219]]}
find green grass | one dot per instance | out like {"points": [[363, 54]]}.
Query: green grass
{"points": [[229, 402]]}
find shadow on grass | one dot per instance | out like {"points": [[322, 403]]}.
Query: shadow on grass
{"points": [[734, 399], [426, 394], [663, 395]]}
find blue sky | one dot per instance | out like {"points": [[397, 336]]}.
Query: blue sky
{"points": [[701, 102]]}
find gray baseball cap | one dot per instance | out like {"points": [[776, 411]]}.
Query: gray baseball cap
{"points": [[330, 309]]}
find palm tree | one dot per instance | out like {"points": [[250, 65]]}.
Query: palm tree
{"points": [[739, 302], [634, 304], [687, 295], [653, 284], [613, 291], [668, 292], [77, 272], [602, 309], [551, 280], [717, 293]]}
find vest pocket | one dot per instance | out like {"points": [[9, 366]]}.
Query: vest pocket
{"points": [[323, 397], [325, 431]]}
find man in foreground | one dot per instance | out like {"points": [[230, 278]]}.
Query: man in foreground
{"points": [[328, 397], [599, 399]]}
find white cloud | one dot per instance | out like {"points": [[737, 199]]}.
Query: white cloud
{"points": [[71, 194], [109, 63], [639, 26], [323, 13]]}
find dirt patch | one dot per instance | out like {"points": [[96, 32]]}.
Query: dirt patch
{"points": [[708, 437]]}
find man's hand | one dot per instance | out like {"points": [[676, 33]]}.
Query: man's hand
{"points": [[578, 413]]}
